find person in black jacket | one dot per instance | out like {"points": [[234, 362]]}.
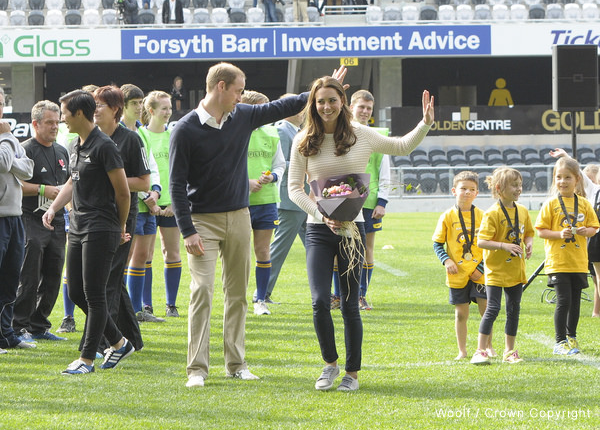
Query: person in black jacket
{"points": [[172, 12]]}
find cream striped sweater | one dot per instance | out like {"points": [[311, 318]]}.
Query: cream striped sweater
{"points": [[326, 164]]}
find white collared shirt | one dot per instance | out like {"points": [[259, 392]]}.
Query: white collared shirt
{"points": [[208, 119], [172, 15]]}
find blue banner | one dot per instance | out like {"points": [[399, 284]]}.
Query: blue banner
{"points": [[305, 42]]}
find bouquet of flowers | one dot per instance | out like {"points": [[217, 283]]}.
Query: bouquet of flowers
{"points": [[341, 198]]}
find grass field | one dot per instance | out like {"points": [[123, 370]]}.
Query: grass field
{"points": [[408, 379]]}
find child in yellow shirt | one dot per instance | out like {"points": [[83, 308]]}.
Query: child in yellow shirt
{"points": [[506, 236], [458, 228]]}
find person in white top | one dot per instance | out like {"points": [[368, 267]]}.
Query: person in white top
{"points": [[332, 145]]}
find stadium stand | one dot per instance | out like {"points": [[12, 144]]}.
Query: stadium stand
{"points": [[518, 12], [428, 13], [109, 17], [36, 5], [146, 16], [18, 5], [219, 15], [374, 14], [72, 17], [54, 18], [410, 12], [18, 18], [464, 12], [91, 17], [255, 15], [73, 4], [446, 12]]}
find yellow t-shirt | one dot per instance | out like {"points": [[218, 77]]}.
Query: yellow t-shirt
{"points": [[502, 269], [562, 255], [450, 231]]}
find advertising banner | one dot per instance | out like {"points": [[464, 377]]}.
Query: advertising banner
{"points": [[485, 120], [27, 45], [304, 42]]}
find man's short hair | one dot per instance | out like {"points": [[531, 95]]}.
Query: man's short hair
{"points": [[254, 98], [225, 72], [465, 175], [362, 94], [131, 92], [38, 109], [80, 100]]}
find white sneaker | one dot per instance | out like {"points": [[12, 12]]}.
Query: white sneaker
{"points": [[348, 384], [325, 381], [3, 351], [260, 308], [244, 375], [195, 381], [480, 357]]}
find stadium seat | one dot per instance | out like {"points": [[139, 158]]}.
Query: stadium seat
{"points": [[512, 159], [72, 17], [219, 16], [218, 3], [500, 12], [36, 4], [4, 6], [537, 11], [91, 17], [420, 160], [401, 161], [410, 12], [587, 158], [483, 186], [555, 11], [54, 18], [236, 4], [391, 12], [540, 179], [590, 11], [313, 14], [201, 16], [374, 14], [72, 4], [476, 160], [109, 17], [418, 151], [428, 182], [458, 160], [518, 12], [444, 182], [494, 160], [200, 4], [108, 4], [255, 15], [435, 150], [489, 151], [531, 158], [55, 4], [237, 15], [35, 17], [527, 180], [438, 160], [507, 150], [18, 18], [4, 20], [18, 5], [410, 182], [91, 4], [288, 14], [428, 13], [473, 150], [572, 11], [453, 150], [187, 15], [146, 16], [184, 3], [482, 12], [446, 12], [464, 12], [528, 150]]}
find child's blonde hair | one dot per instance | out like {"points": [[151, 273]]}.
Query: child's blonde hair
{"points": [[591, 170], [151, 102], [500, 177], [465, 175], [572, 166]]}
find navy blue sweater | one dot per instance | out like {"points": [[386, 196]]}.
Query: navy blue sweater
{"points": [[208, 167]]}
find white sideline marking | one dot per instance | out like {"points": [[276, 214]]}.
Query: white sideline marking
{"points": [[390, 269], [549, 342]]}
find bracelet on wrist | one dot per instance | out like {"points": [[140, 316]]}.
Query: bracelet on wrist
{"points": [[42, 190]]}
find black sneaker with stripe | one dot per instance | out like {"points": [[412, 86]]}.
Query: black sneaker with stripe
{"points": [[112, 356]]}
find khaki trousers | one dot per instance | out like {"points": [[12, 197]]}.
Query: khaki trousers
{"points": [[226, 234]]}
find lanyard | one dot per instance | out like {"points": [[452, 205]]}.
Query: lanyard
{"points": [[566, 214], [511, 227], [468, 241]]}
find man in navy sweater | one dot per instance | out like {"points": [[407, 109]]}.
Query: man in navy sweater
{"points": [[209, 190]]}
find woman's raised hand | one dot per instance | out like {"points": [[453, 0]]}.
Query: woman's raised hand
{"points": [[339, 75], [428, 113]]}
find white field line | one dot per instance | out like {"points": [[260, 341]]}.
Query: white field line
{"points": [[549, 342], [390, 269]]}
